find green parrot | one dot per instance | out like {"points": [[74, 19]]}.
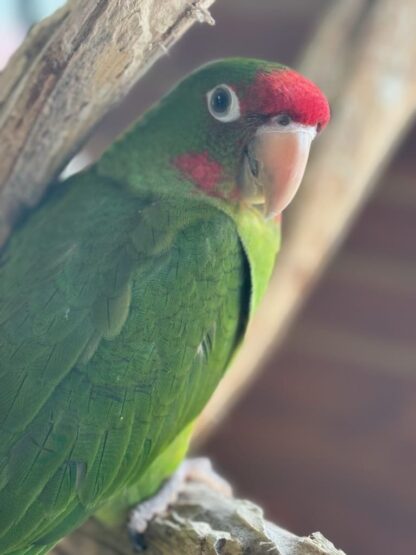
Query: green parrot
{"points": [[125, 294]]}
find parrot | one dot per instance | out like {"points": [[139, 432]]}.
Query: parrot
{"points": [[127, 291]]}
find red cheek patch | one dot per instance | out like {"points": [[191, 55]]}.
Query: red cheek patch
{"points": [[199, 168]]}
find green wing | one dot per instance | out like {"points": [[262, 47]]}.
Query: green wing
{"points": [[116, 323]]}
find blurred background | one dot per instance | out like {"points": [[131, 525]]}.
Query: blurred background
{"points": [[325, 437]]}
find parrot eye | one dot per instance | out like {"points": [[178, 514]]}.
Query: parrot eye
{"points": [[223, 103]]}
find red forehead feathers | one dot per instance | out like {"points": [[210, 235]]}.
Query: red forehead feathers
{"points": [[287, 91]]}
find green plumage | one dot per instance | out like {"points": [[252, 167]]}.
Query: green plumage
{"points": [[123, 297]]}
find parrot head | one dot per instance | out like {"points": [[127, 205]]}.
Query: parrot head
{"points": [[237, 129], [246, 127]]}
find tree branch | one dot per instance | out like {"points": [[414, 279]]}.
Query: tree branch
{"points": [[200, 522], [67, 74]]}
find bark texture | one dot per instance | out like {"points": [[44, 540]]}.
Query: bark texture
{"points": [[201, 522]]}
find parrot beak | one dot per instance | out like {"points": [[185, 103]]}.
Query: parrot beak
{"points": [[274, 164]]}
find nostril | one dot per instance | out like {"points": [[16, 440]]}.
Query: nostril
{"points": [[283, 119]]}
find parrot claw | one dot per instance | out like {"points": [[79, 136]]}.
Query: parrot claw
{"points": [[200, 470], [196, 470]]}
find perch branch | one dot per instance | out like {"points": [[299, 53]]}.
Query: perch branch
{"points": [[371, 112], [327, 57], [200, 522], [67, 74]]}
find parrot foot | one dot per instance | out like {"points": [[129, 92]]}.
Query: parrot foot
{"points": [[196, 470]]}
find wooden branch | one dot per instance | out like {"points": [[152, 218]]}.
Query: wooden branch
{"points": [[328, 56], [70, 70], [200, 522], [371, 112]]}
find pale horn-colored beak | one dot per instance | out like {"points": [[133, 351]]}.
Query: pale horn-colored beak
{"points": [[275, 161]]}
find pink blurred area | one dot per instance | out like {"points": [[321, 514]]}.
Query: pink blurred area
{"points": [[10, 40]]}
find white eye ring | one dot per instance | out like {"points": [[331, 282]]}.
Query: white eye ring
{"points": [[223, 103]]}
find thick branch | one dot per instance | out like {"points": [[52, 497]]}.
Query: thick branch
{"points": [[64, 78], [327, 57], [371, 110], [201, 522]]}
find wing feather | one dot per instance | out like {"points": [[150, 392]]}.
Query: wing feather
{"points": [[58, 299], [95, 383]]}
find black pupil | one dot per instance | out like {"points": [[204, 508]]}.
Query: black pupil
{"points": [[220, 100]]}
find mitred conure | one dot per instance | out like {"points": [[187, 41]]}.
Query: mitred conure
{"points": [[125, 294]]}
